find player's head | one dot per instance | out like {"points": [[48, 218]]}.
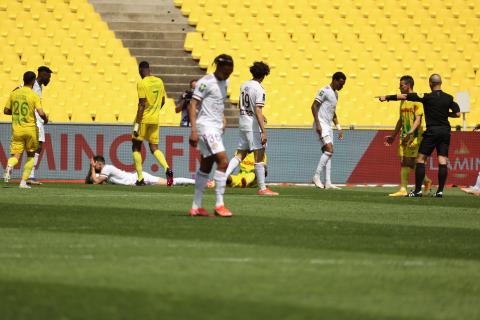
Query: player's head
{"points": [[259, 70], [144, 69], [98, 163], [44, 74], [193, 83], [406, 84], [29, 78], [224, 64], [338, 80], [435, 81]]}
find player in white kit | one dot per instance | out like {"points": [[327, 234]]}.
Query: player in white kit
{"points": [[207, 129], [324, 113], [101, 173], [43, 79], [253, 135]]}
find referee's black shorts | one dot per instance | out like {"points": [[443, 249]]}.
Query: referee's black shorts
{"points": [[435, 138]]}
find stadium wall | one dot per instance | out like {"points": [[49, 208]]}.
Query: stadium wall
{"points": [[361, 158]]}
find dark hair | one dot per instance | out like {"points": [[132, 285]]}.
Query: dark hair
{"points": [[339, 76], [99, 158], [223, 60], [143, 65], [259, 69], [29, 77], [408, 80], [192, 81], [44, 69]]}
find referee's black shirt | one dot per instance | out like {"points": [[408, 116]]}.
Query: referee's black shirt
{"points": [[436, 106]]}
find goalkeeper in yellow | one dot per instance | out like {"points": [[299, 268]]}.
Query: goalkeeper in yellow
{"points": [[246, 176], [21, 105], [151, 98], [410, 127]]}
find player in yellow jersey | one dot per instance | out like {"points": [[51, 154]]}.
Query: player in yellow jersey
{"points": [[21, 105], [410, 127], [151, 98], [246, 176]]}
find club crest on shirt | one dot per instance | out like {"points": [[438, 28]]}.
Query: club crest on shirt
{"points": [[202, 87]]}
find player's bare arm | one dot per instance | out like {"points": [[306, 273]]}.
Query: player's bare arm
{"points": [[7, 111], [192, 113], [315, 107], [389, 139], [138, 119], [42, 115], [337, 125], [477, 127], [416, 124], [93, 175], [261, 122]]}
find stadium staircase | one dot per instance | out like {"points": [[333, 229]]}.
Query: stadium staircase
{"points": [[155, 30]]}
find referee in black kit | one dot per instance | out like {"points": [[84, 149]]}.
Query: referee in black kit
{"points": [[438, 106]]}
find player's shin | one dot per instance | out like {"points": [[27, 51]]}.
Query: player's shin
{"points": [[322, 163], [161, 159], [419, 176], [260, 174], [137, 159], [477, 184], [232, 165], [404, 172], [201, 180], [328, 172], [35, 162], [220, 183], [27, 168], [183, 181], [442, 177]]}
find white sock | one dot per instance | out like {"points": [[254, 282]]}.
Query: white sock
{"points": [[200, 183], [23, 182], [328, 171], [220, 183], [322, 163], [35, 161], [182, 181], [232, 165], [477, 185], [260, 175]]}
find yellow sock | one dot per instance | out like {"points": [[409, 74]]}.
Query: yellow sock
{"points": [[161, 159], [27, 168], [404, 172], [12, 162], [137, 159]]}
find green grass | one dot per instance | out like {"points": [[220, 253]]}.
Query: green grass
{"points": [[110, 252]]}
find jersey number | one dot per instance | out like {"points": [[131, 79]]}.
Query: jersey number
{"points": [[20, 110], [245, 105]]}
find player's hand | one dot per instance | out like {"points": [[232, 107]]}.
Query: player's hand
{"points": [[193, 140], [389, 140], [477, 127], [319, 131], [382, 98], [407, 138], [264, 138], [340, 135], [92, 162]]}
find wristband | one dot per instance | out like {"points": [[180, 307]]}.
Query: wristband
{"points": [[135, 127], [339, 127], [392, 97]]}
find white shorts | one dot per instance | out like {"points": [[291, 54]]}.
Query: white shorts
{"points": [[150, 179], [250, 141], [327, 135], [41, 132], [210, 141]]}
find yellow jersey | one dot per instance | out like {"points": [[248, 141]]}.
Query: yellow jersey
{"points": [[23, 102], [408, 112], [248, 164], [151, 88]]}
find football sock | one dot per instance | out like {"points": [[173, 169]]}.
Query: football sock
{"points": [[201, 180], [404, 172], [328, 171], [442, 176], [220, 182], [27, 168], [232, 165], [161, 159], [137, 159], [419, 176], [12, 162], [260, 174], [427, 179], [322, 163], [32, 174], [477, 185], [182, 181]]}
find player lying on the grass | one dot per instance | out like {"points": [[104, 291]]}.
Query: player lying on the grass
{"points": [[324, 113], [101, 173], [410, 127], [246, 177], [476, 188], [22, 105]]}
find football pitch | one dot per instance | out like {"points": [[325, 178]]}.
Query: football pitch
{"points": [[110, 252]]}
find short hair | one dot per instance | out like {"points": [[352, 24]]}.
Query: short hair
{"points": [[193, 80], [29, 77], [339, 76], [99, 158], [223, 60], [259, 69], [44, 69], [144, 65], [408, 80]]}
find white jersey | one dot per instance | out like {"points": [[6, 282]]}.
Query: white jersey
{"points": [[212, 94], [328, 99], [37, 88], [252, 95], [117, 176]]}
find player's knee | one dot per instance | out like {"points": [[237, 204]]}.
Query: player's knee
{"points": [[153, 148]]}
